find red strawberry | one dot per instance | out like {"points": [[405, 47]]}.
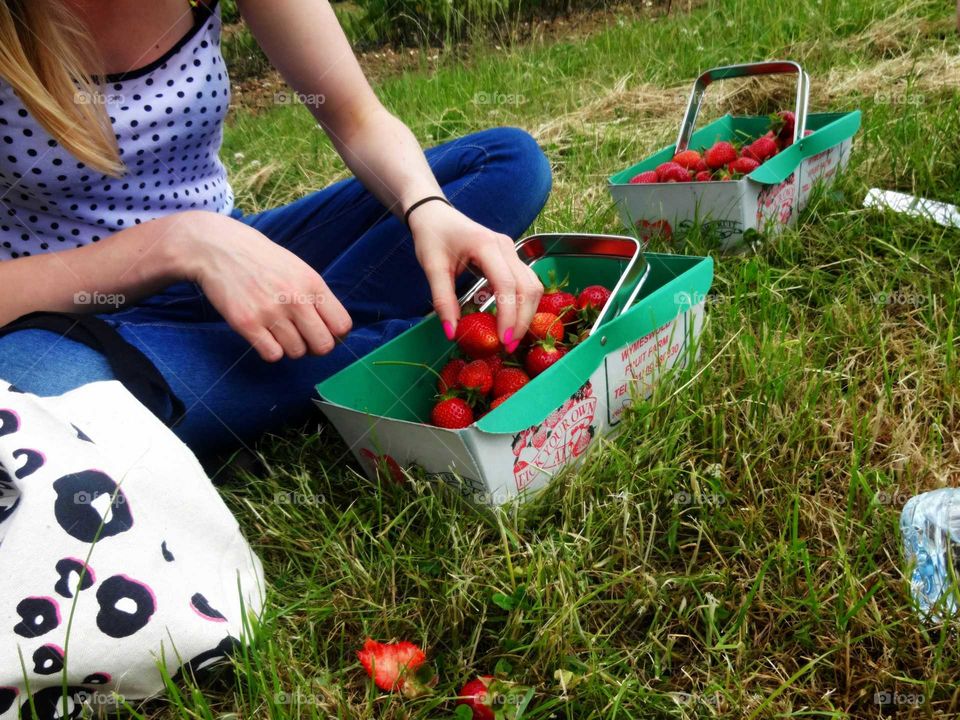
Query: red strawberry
{"points": [[558, 301], [761, 149], [671, 172], [688, 159], [477, 335], [476, 377], [649, 176], [448, 376], [491, 698], [495, 363], [743, 166], [475, 696], [721, 154], [500, 401], [542, 355], [545, 324], [701, 166], [387, 462], [784, 124], [594, 296], [703, 176], [508, 381], [396, 666], [452, 413]]}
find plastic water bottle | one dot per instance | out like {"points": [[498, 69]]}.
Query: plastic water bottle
{"points": [[930, 527]]}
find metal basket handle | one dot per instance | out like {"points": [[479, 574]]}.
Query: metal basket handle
{"points": [[771, 67], [624, 247]]}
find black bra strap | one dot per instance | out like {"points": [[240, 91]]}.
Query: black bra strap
{"points": [[130, 366]]}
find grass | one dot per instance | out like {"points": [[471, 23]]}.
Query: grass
{"points": [[827, 394]]}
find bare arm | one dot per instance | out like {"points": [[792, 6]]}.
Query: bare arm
{"points": [[305, 42], [125, 266], [266, 293]]}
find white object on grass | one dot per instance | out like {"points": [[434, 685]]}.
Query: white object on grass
{"points": [[939, 212]]}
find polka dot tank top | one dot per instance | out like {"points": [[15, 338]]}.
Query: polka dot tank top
{"points": [[168, 120]]}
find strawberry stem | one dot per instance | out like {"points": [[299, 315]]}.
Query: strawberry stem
{"points": [[409, 364]]}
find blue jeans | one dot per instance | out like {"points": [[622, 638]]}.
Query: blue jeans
{"points": [[498, 177]]}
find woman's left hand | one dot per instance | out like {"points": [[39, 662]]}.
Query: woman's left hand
{"points": [[447, 241]]}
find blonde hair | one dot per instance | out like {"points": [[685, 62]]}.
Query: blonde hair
{"points": [[47, 58]]}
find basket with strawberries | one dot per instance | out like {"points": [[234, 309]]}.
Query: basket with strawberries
{"points": [[500, 423], [739, 175], [483, 374]]}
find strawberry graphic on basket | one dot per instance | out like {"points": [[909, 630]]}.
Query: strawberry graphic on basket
{"points": [[565, 434]]}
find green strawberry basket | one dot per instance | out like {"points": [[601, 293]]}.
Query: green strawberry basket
{"points": [[767, 199], [650, 325]]}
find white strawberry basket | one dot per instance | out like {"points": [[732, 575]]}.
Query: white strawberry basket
{"points": [[768, 199]]}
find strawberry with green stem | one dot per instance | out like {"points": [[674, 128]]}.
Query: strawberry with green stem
{"points": [[558, 301]]}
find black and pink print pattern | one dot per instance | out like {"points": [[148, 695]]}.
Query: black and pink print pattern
{"points": [[126, 563]]}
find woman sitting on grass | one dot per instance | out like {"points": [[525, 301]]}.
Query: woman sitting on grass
{"points": [[114, 202]]}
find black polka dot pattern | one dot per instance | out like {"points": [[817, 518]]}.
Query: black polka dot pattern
{"points": [[169, 127]]}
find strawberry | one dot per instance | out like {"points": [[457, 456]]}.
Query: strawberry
{"points": [[500, 401], [649, 176], [671, 172], [783, 124], [476, 377], [477, 335], [475, 696], [594, 296], [700, 167], [545, 325], [448, 376], [489, 697], [761, 149], [397, 666], [508, 381], [743, 166], [452, 413], [688, 159], [542, 355], [703, 176], [495, 363], [560, 303], [721, 154]]}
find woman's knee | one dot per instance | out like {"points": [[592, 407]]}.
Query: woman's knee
{"points": [[44, 363]]}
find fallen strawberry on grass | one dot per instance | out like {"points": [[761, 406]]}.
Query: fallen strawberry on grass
{"points": [[489, 698], [398, 667]]}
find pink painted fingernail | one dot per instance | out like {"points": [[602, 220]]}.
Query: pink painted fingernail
{"points": [[508, 336], [513, 346], [448, 329]]}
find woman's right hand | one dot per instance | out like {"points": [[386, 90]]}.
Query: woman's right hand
{"points": [[275, 300]]}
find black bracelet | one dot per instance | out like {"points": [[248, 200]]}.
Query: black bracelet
{"points": [[418, 203]]}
